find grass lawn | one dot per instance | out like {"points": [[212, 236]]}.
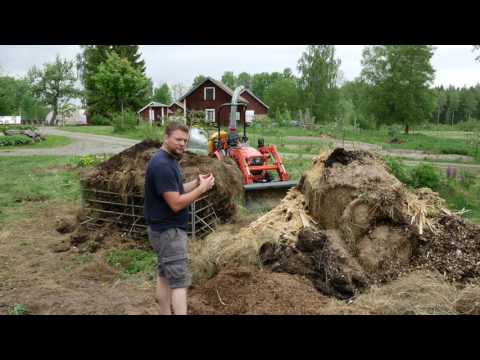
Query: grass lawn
{"points": [[51, 141], [35, 179]]}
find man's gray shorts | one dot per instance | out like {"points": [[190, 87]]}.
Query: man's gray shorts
{"points": [[171, 248]]}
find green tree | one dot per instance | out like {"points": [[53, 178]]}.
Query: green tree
{"points": [[453, 104], [318, 81], [198, 80], [442, 99], [87, 66], [400, 77], [121, 85], [282, 95], [228, 78], [17, 98], [260, 83], [54, 83], [162, 94], [244, 79], [470, 103]]}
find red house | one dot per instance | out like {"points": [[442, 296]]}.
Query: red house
{"points": [[208, 97], [154, 112]]}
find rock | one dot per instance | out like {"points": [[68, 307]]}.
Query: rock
{"points": [[66, 225], [62, 246], [12, 132], [79, 238]]}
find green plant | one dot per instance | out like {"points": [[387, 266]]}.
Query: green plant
{"points": [[125, 121], [98, 119], [424, 175], [15, 140], [19, 309], [88, 160], [17, 127], [132, 261], [399, 170]]}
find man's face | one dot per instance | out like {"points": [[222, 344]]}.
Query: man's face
{"points": [[176, 142]]}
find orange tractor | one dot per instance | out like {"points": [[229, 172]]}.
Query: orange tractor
{"points": [[258, 165]]}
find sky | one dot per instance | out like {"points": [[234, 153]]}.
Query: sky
{"points": [[173, 64]]}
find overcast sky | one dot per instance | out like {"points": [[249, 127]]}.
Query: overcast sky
{"points": [[454, 64]]}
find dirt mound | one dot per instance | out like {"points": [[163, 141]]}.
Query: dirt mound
{"points": [[124, 173], [255, 292], [365, 228]]}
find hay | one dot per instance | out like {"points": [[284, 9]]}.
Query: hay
{"points": [[418, 293]]}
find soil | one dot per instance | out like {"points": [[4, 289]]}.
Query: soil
{"points": [[247, 291], [41, 270]]}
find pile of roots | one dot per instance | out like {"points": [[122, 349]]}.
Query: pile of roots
{"points": [[360, 226], [124, 174], [348, 225]]}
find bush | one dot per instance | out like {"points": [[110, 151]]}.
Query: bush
{"points": [[4, 128], [89, 160], [125, 121], [424, 175], [150, 132], [98, 119], [470, 125], [399, 170], [15, 140]]}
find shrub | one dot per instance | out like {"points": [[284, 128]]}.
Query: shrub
{"points": [[399, 170], [88, 160], [125, 121], [470, 125], [15, 140], [424, 175], [3, 128], [98, 119]]}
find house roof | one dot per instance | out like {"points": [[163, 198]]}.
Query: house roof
{"points": [[216, 82], [256, 97], [152, 104], [178, 103]]}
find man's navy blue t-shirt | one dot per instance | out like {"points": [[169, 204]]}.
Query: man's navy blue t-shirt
{"points": [[163, 175]]}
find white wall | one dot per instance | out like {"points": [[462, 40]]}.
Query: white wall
{"points": [[14, 120]]}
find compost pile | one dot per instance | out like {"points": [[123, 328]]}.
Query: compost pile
{"points": [[351, 224], [124, 174]]}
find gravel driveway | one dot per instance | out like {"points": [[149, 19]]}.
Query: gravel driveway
{"points": [[83, 144]]}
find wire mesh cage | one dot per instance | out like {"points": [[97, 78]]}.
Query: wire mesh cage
{"points": [[126, 212]]}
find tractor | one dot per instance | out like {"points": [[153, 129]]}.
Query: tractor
{"points": [[257, 165]]}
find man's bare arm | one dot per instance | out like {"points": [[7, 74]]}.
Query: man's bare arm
{"points": [[177, 201], [189, 186]]}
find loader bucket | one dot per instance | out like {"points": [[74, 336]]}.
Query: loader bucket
{"points": [[265, 196]]}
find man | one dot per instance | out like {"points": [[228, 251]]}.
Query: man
{"points": [[166, 212]]}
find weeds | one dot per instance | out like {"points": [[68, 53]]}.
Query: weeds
{"points": [[19, 309]]}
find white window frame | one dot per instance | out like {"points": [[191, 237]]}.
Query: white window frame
{"points": [[206, 114], [251, 116], [205, 93]]}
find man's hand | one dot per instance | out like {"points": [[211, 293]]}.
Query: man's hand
{"points": [[206, 182]]}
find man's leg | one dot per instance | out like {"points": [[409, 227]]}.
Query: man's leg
{"points": [[179, 301], [164, 296]]}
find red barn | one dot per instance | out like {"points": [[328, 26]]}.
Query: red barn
{"points": [[154, 111], [207, 97], [256, 108]]}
